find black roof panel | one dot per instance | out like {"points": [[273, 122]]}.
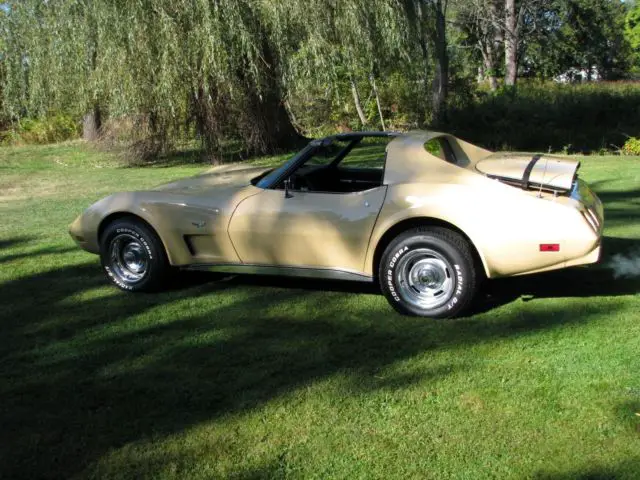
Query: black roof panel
{"points": [[352, 136]]}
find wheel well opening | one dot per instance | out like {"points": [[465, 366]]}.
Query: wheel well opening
{"points": [[109, 219], [408, 224]]}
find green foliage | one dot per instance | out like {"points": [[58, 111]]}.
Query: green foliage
{"points": [[548, 116], [219, 64], [172, 62], [242, 72], [322, 109], [579, 35], [539, 116], [41, 131], [327, 41], [632, 26], [631, 147], [632, 33]]}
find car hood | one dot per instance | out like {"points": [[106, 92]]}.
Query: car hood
{"points": [[549, 171], [230, 177]]}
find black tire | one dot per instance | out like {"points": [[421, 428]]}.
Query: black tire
{"points": [[131, 238], [429, 272]]}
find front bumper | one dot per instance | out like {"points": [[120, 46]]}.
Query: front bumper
{"points": [[77, 233]]}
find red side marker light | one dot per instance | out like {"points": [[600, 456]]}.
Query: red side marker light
{"points": [[549, 247]]}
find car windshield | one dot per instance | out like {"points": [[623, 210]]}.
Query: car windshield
{"points": [[318, 154], [276, 173]]}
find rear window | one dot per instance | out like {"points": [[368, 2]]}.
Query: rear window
{"points": [[439, 147]]}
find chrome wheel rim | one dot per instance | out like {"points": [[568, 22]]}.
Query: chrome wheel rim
{"points": [[129, 259], [425, 278]]}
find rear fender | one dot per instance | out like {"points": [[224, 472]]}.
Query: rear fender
{"points": [[505, 225]]}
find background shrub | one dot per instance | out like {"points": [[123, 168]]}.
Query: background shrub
{"points": [[539, 116], [549, 116], [631, 147], [57, 128]]}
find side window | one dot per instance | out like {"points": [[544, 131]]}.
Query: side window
{"points": [[370, 153], [343, 166], [439, 147], [325, 155]]}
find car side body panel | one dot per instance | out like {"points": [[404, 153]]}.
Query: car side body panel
{"points": [[220, 218], [306, 229]]}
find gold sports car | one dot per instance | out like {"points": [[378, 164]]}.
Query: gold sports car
{"points": [[425, 214]]}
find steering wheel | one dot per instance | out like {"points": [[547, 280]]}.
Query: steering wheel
{"points": [[301, 182]]}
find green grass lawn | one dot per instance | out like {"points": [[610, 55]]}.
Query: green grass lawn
{"points": [[260, 377]]}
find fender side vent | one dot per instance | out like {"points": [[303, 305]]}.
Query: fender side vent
{"points": [[190, 246]]}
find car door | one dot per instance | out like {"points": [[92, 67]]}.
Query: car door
{"points": [[306, 229]]}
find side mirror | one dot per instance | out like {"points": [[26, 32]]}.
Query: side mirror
{"points": [[287, 187]]}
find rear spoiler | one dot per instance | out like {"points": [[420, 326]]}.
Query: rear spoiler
{"points": [[537, 172]]}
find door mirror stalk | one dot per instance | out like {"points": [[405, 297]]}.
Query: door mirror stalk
{"points": [[287, 187]]}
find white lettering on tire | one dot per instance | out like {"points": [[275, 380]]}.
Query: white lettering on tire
{"points": [[392, 264], [116, 280], [459, 286], [139, 237]]}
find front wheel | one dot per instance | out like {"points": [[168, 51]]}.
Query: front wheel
{"points": [[133, 256], [428, 272]]}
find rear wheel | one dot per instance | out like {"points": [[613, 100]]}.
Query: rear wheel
{"points": [[133, 256], [428, 272]]}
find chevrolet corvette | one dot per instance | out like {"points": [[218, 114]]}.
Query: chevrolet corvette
{"points": [[426, 215]]}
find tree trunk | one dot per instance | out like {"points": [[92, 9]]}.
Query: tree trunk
{"points": [[427, 62], [495, 43], [489, 65], [92, 121], [356, 101], [274, 130], [91, 125], [375, 91], [441, 78], [261, 122], [268, 128], [292, 116], [510, 43], [493, 82]]}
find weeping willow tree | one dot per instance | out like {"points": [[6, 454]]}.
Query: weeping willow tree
{"points": [[338, 49], [45, 67], [221, 67], [209, 62]]}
